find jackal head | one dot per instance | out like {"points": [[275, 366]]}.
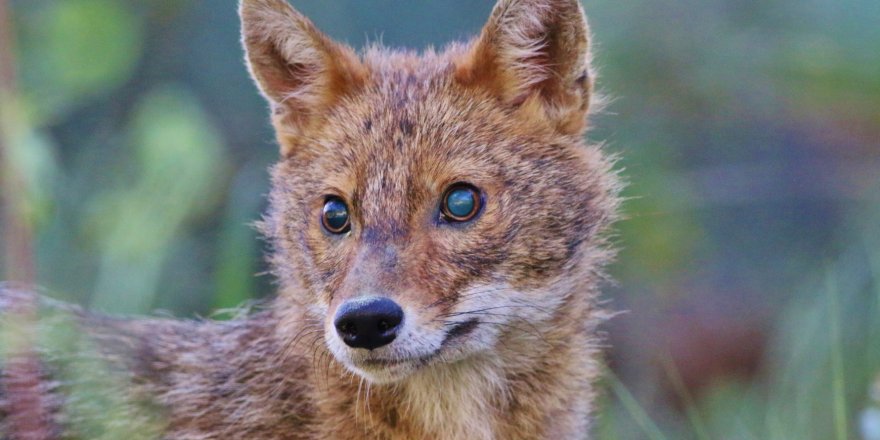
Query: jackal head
{"points": [[428, 207]]}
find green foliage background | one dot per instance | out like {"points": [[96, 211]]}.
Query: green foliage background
{"points": [[749, 131]]}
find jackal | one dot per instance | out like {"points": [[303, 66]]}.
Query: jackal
{"points": [[439, 228]]}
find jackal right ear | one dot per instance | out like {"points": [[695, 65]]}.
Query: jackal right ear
{"points": [[299, 70], [534, 54]]}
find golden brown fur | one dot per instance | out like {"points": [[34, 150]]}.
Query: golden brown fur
{"points": [[499, 341]]}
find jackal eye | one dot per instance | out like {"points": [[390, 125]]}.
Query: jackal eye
{"points": [[334, 216], [461, 203]]}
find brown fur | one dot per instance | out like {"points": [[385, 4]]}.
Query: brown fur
{"points": [[501, 312]]}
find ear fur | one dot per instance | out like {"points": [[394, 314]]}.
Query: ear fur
{"points": [[299, 70], [535, 50]]}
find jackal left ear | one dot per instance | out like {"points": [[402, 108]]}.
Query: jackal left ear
{"points": [[301, 71], [535, 52]]}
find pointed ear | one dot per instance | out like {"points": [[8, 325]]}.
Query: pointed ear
{"points": [[301, 71], [535, 54]]}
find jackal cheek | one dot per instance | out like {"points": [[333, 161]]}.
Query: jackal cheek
{"points": [[420, 334]]}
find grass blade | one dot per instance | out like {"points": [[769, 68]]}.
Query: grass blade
{"points": [[837, 379], [652, 431]]}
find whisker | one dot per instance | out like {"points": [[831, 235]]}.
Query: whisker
{"points": [[487, 309], [469, 295], [369, 397], [357, 401]]}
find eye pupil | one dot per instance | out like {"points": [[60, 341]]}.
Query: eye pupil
{"points": [[461, 203], [335, 216]]}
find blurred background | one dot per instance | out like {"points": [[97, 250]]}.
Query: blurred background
{"points": [[134, 153]]}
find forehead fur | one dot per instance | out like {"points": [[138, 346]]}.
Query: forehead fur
{"points": [[409, 96]]}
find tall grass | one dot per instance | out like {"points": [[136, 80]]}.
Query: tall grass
{"points": [[822, 359]]}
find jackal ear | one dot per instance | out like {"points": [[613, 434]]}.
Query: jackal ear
{"points": [[298, 69], [535, 52]]}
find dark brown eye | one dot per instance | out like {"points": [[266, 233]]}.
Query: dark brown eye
{"points": [[461, 203], [335, 217]]}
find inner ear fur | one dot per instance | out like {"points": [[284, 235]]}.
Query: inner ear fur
{"points": [[535, 54]]}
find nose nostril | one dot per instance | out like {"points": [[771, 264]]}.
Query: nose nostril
{"points": [[348, 329]]}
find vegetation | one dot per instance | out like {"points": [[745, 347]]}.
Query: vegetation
{"points": [[134, 152]]}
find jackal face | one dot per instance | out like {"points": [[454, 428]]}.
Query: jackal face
{"points": [[430, 207]]}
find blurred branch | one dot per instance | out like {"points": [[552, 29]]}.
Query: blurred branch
{"points": [[25, 405], [16, 234]]}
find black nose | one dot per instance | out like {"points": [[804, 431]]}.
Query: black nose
{"points": [[368, 322]]}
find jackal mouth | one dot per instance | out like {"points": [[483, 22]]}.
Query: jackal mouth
{"points": [[455, 333], [382, 363], [459, 331]]}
